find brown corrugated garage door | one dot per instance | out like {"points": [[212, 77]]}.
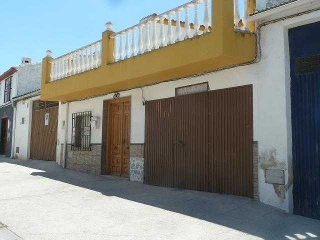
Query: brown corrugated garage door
{"points": [[201, 142], [44, 130]]}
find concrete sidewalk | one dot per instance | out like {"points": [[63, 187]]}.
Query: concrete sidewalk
{"points": [[40, 200]]}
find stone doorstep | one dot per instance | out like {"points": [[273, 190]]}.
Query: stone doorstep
{"points": [[6, 234]]}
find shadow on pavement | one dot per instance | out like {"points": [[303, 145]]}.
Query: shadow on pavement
{"points": [[243, 214]]}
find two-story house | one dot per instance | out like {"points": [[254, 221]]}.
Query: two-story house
{"points": [[214, 95]]}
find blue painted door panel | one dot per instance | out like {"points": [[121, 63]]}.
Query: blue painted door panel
{"points": [[305, 110], [306, 144]]}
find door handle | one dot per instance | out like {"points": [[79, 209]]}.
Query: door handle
{"points": [[180, 143]]}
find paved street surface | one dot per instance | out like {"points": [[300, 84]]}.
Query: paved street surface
{"points": [[40, 200], [6, 234]]}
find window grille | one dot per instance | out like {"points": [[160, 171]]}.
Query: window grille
{"points": [[39, 105], [7, 90], [81, 131]]}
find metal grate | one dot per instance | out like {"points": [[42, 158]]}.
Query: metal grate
{"points": [[308, 64], [191, 89], [81, 131], [38, 105]]}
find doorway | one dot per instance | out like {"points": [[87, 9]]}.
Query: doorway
{"points": [[4, 136], [44, 130], [202, 141], [305, 113], [118, 137]]}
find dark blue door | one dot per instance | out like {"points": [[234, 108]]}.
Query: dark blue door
{"points": [[305, 100]]}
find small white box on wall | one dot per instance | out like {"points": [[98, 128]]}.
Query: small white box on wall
{"points": [[95, 122]]}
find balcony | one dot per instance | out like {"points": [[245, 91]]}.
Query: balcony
{"points": [[198, 37]]}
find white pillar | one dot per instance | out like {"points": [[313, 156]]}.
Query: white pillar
{"points": [[207, 19], [178, 26], [245, 15], [187, 22], [196, 17], [128, 43], [162, 32], [141, 45]]}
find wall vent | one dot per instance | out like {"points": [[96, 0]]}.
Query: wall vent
{"points": [[308, 64]]}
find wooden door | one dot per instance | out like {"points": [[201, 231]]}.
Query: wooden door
{"points": [[118, 155], [4, 135], [44, 132]]}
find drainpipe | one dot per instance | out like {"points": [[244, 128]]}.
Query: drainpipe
{"points": [[13, 132], [66, 136]]}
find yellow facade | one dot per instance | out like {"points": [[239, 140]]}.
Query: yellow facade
{"points": [[221, 48]]}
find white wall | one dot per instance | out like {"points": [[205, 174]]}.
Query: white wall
{"points": [[29, 78], [270, 78], [23, 130]]}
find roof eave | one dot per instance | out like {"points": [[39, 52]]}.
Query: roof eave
{"points": [[8, 73], [269, 13]]}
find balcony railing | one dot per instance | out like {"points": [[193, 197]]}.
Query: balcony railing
{"points": [[158, 31], [153, 32], [78, 61]]}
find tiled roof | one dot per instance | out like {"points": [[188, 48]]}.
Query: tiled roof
{"points": [[7, 74]]}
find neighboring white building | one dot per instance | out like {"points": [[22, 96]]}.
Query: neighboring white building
{"points": [[26, 89], [15, 82]]}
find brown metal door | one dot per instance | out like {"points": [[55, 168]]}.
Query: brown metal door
{"points": [[159, 146], [119, 137], [44, 133], [201, 142], [191, 142], [231, 141]]}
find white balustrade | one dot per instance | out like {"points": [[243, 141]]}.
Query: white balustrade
{"points": [[184, 22], [78, 61]]}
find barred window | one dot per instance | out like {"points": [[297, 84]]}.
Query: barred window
{"points": [[7, 90], [81, 131]]}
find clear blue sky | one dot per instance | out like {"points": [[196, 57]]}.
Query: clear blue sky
{"points": [[29, 28]]}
